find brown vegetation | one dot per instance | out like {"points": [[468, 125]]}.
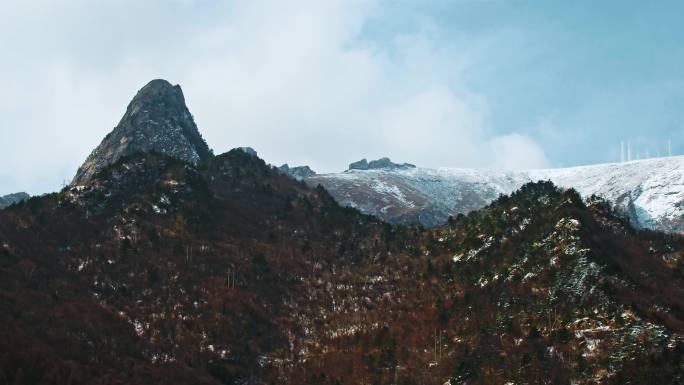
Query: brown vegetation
{"points": [[159, 272]]}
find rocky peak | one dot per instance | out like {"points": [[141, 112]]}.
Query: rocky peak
{"points": [[297, 172], [157, 119], [382, 163]]}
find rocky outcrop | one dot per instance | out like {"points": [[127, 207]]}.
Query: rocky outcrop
{"points": [[379, 164], [157, 119], [248, 150], [298, 172], [10, 199]]}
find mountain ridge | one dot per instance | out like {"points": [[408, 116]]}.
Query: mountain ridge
{"points": [[650, 192], [158, 271]]}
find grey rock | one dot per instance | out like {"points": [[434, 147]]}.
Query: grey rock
{"points": [[298, 172], [379, 164], [10, 199], [157, 119], [248, 150], [359, 165]]}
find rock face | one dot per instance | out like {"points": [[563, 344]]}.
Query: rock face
{"points": [[379, 164], [248, 150], [650, 192], [298, 172], [157, 119], [10, 199]]}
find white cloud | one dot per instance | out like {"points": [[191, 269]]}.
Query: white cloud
{"points": [[302, 84], [516, 151], [438, 127]]}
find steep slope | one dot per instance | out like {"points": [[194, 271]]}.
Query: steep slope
{"points": [[188, 275], [650, 192], [157, 271], [155, 120], [535, 288]]}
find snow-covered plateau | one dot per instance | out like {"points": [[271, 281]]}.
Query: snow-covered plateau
{"points": [[650, 192]]}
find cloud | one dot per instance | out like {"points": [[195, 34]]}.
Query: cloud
{"points": [[304, 84], [436, 126], [516, 151]]}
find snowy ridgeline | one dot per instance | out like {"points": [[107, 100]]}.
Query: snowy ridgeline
{"points": [[650, 191]]}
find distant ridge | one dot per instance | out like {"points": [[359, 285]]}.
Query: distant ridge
{"points": [[9, 199], [649, 192]]}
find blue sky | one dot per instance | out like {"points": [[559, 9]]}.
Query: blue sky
{"points": [[515, 84], [577, 76]]}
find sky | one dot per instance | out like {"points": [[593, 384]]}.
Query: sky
{"points": [[491, 84]]}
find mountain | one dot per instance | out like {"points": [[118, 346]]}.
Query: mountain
{"points": [[159, 270], [157, 119], [297, 172], [156, 271], [649, 192], [10, 199]]}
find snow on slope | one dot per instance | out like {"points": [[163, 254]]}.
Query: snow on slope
{"points": [[650, 191]]}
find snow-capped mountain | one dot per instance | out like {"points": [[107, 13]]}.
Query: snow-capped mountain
{"points": [[650, 192]]}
